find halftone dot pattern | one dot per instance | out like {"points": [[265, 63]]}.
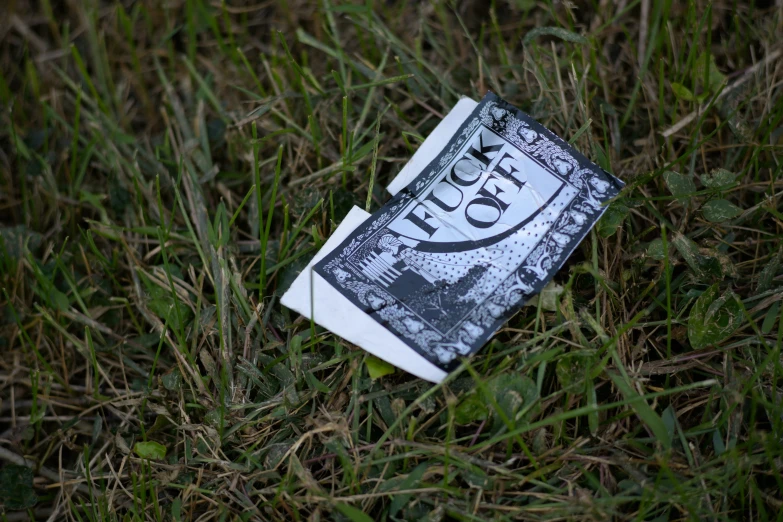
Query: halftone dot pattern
{"points": [[500, 259]]}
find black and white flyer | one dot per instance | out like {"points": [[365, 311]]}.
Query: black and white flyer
{"points": [[479, 231]]}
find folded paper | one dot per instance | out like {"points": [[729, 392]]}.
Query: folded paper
{"points": [[482, 217], [432, 146]]}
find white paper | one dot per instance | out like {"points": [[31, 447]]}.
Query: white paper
{"points": [[336, 313], [432, 144]]}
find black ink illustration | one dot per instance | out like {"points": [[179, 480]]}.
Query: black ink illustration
{"points": [[482, 229]]}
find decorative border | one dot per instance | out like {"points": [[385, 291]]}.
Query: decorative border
{"points": [[595, 187]]}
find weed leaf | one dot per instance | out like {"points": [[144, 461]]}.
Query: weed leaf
{"points": [[472, 408], [713, 318], [680, 185], [16, 487], [707, 265], [718, 178], [682, 92], [719, 210], [150, 450], [377, 368], [612, 219], [558, 32], [513, 393], [715, 78], [572, 368]]}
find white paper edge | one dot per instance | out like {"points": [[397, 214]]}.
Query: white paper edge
{"points": [[433, 144], [340, 316]]}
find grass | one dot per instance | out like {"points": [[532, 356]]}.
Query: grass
{"points": [[167, 168]]}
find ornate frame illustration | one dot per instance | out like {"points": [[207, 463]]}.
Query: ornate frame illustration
{"points": [[594, 188]]}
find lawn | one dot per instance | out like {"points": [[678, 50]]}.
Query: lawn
{"points": [[168, 168]]}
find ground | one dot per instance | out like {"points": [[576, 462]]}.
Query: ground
{"points": [[166, 168]]}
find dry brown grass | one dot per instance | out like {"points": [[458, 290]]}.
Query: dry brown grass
{"points": [[147, 147]]}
